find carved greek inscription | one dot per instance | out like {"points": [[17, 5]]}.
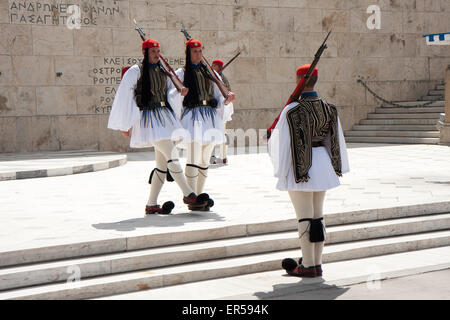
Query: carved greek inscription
{"points": [[109, 75], [62, 12]]}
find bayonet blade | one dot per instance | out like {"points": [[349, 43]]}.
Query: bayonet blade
{"points": [[327, 37], [185, 32]]}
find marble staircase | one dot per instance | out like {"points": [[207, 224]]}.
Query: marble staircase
{"points": [[391, 124], [122, 265]]}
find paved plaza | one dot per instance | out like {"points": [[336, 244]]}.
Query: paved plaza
{"points": [[109, 204]]}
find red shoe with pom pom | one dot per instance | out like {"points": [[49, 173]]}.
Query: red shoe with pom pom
{"points": [[303, 272]]}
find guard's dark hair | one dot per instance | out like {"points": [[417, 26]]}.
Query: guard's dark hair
{"points": [[189, 81], [192, 98], [312, 81], [143, 90]]}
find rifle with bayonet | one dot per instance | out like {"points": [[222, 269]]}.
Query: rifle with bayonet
{"points": [[223, 89], [228, 63], [166, 67], [302, 84]]}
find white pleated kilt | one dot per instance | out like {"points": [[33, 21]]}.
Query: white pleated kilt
{"points": [[202, 125], [144, 135], [322, 176]]}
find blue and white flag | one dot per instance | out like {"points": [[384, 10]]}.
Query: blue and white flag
{"points": [[438, 39]]}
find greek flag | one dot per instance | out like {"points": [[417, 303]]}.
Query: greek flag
{"points": [[438, 39]]}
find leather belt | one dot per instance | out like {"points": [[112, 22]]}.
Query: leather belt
{"points": [[152, 105], [211, 103]]}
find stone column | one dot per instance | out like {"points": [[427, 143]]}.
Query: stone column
{"points": [[444, 123]]}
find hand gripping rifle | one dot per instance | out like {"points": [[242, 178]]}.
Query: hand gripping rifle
{"points": [[223, 89], [167, 68], [302, 84]]}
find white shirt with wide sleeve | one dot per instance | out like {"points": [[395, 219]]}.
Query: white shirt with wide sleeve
{"points": [[322, 175], [125, 114]]}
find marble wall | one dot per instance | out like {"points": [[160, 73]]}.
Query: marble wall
{"points": [[57, 84]]}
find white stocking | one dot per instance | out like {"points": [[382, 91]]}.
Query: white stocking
{"points": [[204, 163], [167, 148], [194, 151], [157, 179], [303, 205], [224, 146], [318, 201]]}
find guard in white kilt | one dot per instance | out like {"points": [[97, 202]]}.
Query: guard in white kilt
{"points": [[217, 66], [202, 117], [308, 151], [143, 109]]}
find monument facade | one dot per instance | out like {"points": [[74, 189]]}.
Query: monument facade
{"points": [[61, 60]]}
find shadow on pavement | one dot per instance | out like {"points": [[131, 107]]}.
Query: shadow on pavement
{"points": [[157, 220], [305, 289]]}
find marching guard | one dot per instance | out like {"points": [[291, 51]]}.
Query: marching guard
{"points": [[145, 107], [217, 66], [202, 117], [309, 154]]}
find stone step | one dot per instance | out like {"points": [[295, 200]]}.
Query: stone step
{"points": [[395, 140], [440, 87], [410, 110], [399, 121], [39, 274], [220, 268], [414, 103], [403, 115], [412, 134], [395, 127], [436, 92], [21, 256], [433, 98], [266, 285]]}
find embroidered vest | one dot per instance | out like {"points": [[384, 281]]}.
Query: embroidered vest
{"points": [[309, 124], [158, 87], [205, 91]]}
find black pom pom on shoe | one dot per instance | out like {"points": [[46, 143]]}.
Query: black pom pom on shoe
{"points": [[202, 198], [289, 264], [167, 207]]}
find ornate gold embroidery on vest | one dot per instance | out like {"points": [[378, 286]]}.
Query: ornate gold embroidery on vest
{"points": [[310, 122]]}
